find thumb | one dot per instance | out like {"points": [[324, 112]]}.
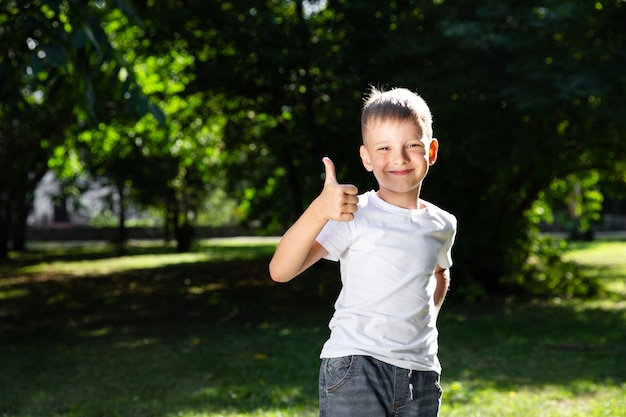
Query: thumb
{"points": [[331, 176]]}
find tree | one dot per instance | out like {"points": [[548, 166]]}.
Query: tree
{"points": [[542, 105], [522, 94], [259, 60], [57, 72]]}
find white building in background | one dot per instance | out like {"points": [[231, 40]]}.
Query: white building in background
{"points": [[49, 209]]}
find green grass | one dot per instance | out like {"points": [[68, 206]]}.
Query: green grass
{"points": [[86, 333], [605, 260]]}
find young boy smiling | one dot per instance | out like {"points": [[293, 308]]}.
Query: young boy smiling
{"points": [[394, 251]]}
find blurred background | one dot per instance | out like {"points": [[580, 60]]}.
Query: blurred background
{"points": [[185, 119]]}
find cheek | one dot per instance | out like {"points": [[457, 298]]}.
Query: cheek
{"points": [[377, 165]]}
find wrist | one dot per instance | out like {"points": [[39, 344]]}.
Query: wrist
{"points": [[317, 212]]}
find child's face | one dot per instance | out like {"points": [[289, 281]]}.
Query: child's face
{"points": [[399, 156]]}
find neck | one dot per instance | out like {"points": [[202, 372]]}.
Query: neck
{"points": [[404, 200]]}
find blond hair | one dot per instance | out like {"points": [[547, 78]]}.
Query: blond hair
{"points": [[397, 104]]}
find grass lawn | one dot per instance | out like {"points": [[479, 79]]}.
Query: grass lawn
{"points": [[154, 333]]}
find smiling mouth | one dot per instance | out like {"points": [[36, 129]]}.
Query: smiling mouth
{"points": [[401, 173]]}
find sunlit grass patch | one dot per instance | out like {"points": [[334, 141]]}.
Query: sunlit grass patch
{"points": [[600, 252], [49, 261], [13, 293], [605, 260], [117, 264], [541, 400]]}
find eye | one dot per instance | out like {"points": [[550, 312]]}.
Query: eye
{"points": [[383, 148], [415, 145]]}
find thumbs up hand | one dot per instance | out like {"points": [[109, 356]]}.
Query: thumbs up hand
{"points": [[337, 201]]}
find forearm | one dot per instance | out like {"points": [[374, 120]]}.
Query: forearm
{"points": [[294, 251], [442, 277], [298, 250]]}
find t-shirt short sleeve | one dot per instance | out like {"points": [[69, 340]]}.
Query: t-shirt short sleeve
{"points": [[445, 253], [334, 237]]}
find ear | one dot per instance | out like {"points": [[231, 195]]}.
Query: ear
{"points": [[432, 151], [365, 158]]}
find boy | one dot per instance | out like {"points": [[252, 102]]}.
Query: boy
{"points": [[394, 251]]}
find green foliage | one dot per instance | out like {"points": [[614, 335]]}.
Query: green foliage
{"points": [[574, 202], [527, 99], [547, 275], [59, 73], [508, 127], [524, 125]]}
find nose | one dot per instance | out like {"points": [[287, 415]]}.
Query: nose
{"points": [[401, 156]]}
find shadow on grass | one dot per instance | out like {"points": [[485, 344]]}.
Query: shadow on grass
{"points": [[220, 337], [218, 292], [205, 337]]}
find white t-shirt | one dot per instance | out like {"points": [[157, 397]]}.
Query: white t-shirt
{"points": [[388, 256]]}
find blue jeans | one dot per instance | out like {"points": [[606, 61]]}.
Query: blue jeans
{"points": [[361, 386]]}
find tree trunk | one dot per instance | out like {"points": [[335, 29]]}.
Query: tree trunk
{"points": [[171, 219], [121, 227], [5, 224], [21, 206], [19, 226]]}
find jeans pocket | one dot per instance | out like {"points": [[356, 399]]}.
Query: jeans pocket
{"points": [[337, 371], [438, 385]]}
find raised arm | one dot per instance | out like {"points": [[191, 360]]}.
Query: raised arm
{"points": [[298, 250]]}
